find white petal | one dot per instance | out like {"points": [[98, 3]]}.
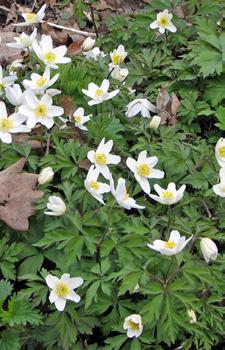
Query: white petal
{"points": [[51, 281], [60, 304], [75, 282]]}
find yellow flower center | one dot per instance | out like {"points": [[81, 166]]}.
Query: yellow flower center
{"points": [[100, 158], [2, 86], [77, 118], [99, 92], [50, 56], [143, 170], [41, 111], [164, 21], [94, 185], [167, 194], [126, 196], [133, 325], [41, 81], [30, 16], [117, 58], [62, 290], [5, 124], [169, 244], [222, 151]]}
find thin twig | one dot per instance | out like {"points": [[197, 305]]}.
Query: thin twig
{"points": [[93, 18], [207, 209], [70, 29]]}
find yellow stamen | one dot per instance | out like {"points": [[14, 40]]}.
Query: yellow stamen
{"points": [[169, 244], [2, 86], [5, 124], [30, 16], [50, 56], [77, 118], [62, 290], [94, 185], [222, 151], [164, 21], [126, 196], [143, 170], [100, 158], [167, 194], [117, 58], [41, 111], [99, 92], [41, 81], [133, 325]]}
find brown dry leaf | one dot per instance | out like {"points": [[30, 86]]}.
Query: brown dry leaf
{"points": [[103, 5], [8, 54], [85, 164], [25, 139], [74, 49], [167, 106], [181, 11], [59, 37], [67, 103], [17, 195]]}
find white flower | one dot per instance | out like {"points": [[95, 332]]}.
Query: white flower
{"points": [[219, 189], [173, 246], [46, 175], [10, 125], [94, 54], [143, 169], [39, 83], [49, 55], [79, 118], [121, 195], [63, 289], [192, 315], [24, 41], [155, 122], [119, 74], [56, 206], [170, 195], [133, 325], [94, 187], [99, 94], [209, 249], [140, 105], [88, 44], [118, 56], [32, 18], [6, 81], [102, 157], [220, 152], [163, 22], [39, 111], [15, 95]]}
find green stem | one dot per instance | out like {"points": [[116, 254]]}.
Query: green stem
{"points": [[93, 18]]}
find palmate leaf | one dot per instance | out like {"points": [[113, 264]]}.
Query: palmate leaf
{"points": [[9, 340], [5, 290], [20, 312]]}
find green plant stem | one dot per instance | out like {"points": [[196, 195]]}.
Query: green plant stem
{"points": [[169, 220]]}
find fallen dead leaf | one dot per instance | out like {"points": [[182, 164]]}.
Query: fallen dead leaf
{"points": [[74, 49], [59, 37], [85, 164], [167, 106], [67, 103], [17, 195], [25, 139]]}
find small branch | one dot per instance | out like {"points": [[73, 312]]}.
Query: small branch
{"points": [[207, 209], [93, 18], [70, 29]]}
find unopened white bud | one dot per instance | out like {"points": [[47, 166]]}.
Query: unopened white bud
{"points": [[155, 122], [45, 176], [209, 249], [88, 44]]}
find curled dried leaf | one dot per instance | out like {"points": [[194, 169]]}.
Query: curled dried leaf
{"points": [[17, 195]]}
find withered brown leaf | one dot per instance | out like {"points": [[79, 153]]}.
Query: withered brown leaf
{"points": [[17, 195], [167, 106]]}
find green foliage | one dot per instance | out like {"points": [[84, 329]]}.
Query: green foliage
{"points": [[105, 244]]}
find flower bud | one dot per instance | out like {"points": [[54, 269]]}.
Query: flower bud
{"points": [[133, 325], [155, 122], [192, 315], [56, 206], [45, 176], [209, 249], [88, 44]]}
